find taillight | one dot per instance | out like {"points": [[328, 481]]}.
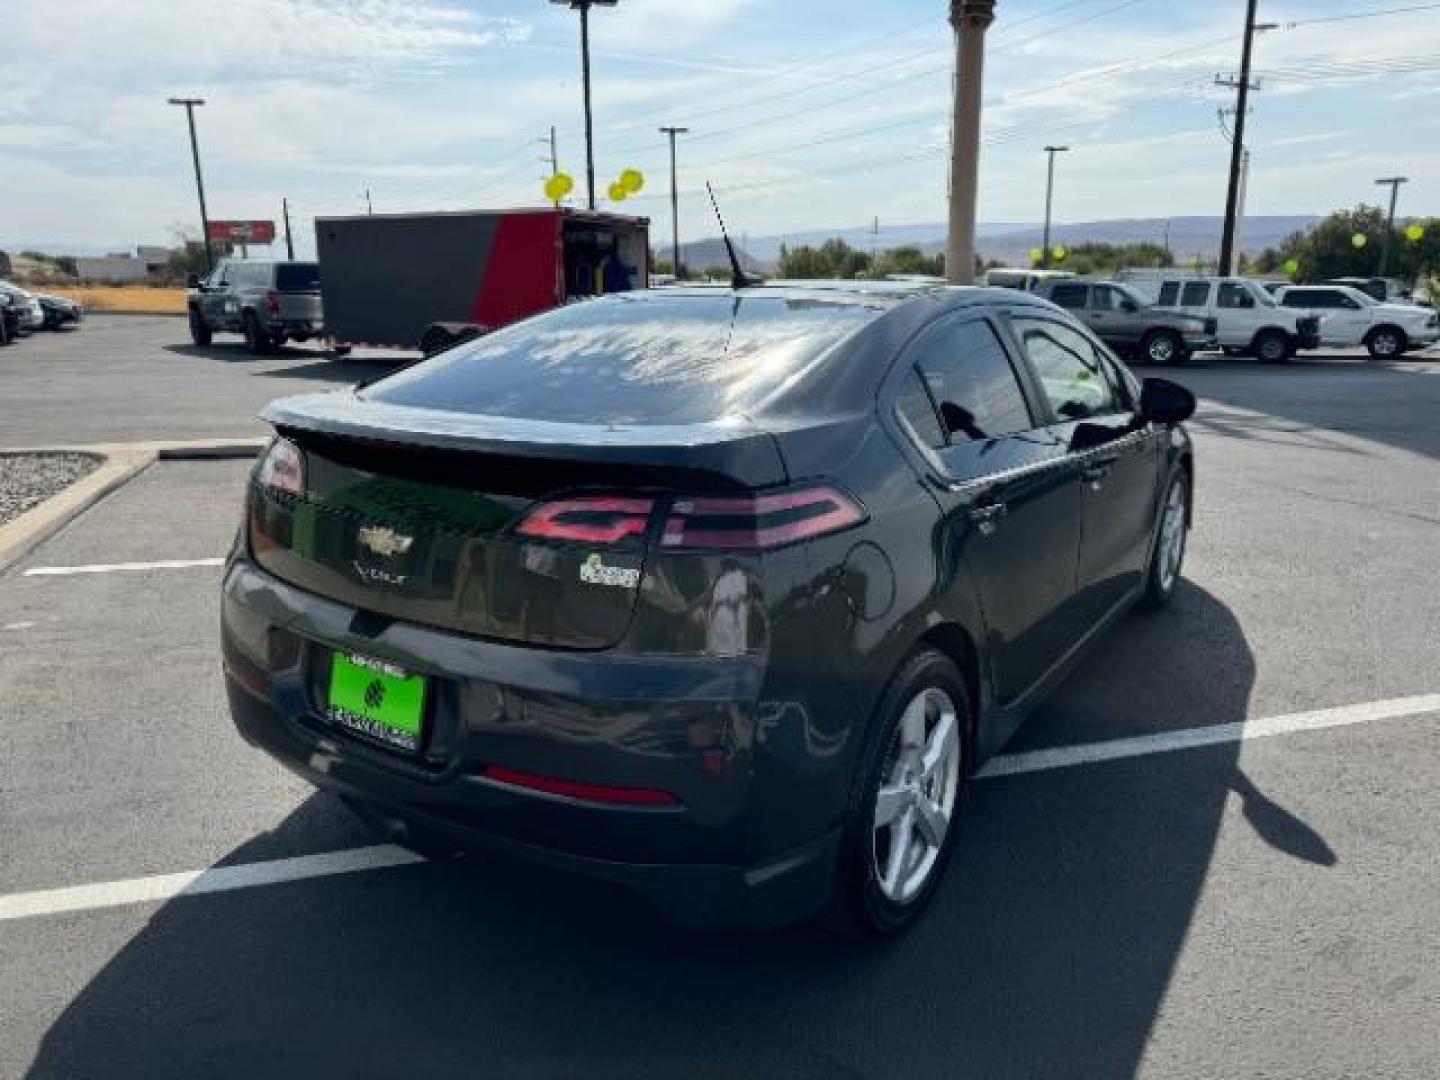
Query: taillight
{"points": [[589, 519], [758, 522], [272, 302], [574, 789], [282, 468]]}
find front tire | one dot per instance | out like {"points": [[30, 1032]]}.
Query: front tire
{"points": [[1386, 343], [199, 331], [1272, 347], [900, 824], [1164, 347], [1168, 556]]}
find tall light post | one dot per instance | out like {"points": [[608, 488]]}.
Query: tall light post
{"points": [[970, 18], [1394, 183], [674, 199], [190, 104], [1049, 195], [584, 6]]}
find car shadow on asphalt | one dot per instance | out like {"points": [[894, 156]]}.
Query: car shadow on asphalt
{"points": [[1048, 952]]}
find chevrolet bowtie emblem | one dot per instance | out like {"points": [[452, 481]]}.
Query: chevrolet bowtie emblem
{"points": [[383, 541]]}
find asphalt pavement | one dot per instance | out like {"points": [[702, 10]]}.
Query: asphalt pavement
{"points": [[1267, 907]]}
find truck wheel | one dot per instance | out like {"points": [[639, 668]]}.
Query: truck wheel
{"points": [[199, 332], [1164, 347], [1385, 343], [256, 339], [433, 341], [1272, 346]]}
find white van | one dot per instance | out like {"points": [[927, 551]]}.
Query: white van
{"points": [[1024, 280], [1246, 317]]}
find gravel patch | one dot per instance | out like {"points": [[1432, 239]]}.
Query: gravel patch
{"points": [[27, 480]]}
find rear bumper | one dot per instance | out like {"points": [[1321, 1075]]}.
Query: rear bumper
{"points": [[674, 724]]}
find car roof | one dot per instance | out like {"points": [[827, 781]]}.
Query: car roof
{"points": [[871, 293]]}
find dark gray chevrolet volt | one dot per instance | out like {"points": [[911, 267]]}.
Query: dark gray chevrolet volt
{"points": [[721, 594]]}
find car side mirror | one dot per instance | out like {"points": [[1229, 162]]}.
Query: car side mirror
{"points": [[1129, 305], [1247, 301], [192, 281], [1165, 402]]}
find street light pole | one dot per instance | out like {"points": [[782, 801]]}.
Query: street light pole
{"points": [[584, 6], [674, 200], [970, 18], [190, 104], [1394, 182], [1049, 193]]}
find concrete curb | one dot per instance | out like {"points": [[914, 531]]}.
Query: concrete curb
{"points": [[39, 523], [122, 463]]}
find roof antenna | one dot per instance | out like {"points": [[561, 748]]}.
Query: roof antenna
{"points": [[738, 278]]}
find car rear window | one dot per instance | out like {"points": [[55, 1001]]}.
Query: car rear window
{"points": [[297, 277], [644, 359]]}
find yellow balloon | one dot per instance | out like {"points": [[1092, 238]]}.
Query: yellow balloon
{"points": [[1059, 253], [1292, 266], [632, 180], [558, 186], [1036, 256], [1359, 240], [618, 192], [1415, 233]]}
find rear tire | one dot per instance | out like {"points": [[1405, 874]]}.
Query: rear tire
{"points": [[1168, 557], [199, 331], [1272, 347], [912, 771], [1386, 343], [1163, 347], [256, 339]]}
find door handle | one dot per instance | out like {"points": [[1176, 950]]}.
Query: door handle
{"points": [[986, 517], [1096, 472]]}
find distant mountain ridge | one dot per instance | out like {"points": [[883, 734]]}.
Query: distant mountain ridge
{"points": [[1190, 236]]}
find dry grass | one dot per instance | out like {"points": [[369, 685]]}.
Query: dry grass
{"points": [[141, 298]]}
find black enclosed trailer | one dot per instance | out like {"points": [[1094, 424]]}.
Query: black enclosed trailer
{"points": [[425, 281]]}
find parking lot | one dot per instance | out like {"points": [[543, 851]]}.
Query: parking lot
{"points": [[1248, 887]]}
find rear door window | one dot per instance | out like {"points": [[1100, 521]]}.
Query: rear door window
{"points": [[969, 377], [1070, 372], [1069, 296], [1195, 294], [917, 410], [1168, 293], [639, 358]]}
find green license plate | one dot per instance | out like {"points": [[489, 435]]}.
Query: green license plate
{"points": [[377, 699]]}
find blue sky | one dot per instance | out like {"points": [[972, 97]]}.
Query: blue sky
{"points": [[806, 114]]}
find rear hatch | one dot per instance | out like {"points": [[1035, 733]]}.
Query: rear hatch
{"points": [[514, 487], [297, 292]]}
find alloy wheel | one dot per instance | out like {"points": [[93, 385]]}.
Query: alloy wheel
{"points": [[917, 798], [1172, 536]]}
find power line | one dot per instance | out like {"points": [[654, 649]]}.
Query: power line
{"points": [[1362, 15]]}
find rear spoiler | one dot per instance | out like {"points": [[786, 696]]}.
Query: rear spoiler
{"points": [[737, 451]]}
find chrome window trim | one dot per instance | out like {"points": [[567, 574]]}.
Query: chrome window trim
{"points": [[1074, 458]]}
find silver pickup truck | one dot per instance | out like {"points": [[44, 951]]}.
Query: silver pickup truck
{"points": [[269, 302], [1126, 321]]}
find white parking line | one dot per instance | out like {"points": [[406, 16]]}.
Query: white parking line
{"points": [[1065, 757], [161, 887], [110, 568], [108, 894]]}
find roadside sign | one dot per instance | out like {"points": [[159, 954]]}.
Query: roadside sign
{"points": [[243, 232]]}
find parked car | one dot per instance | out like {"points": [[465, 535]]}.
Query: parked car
{"points": [[1377, 288], [1350, 317], [1247, 318], [32, 316], [718, 593], [59, 311], [269, 302], [10, 318], [1126, 321], [1024, 280]]}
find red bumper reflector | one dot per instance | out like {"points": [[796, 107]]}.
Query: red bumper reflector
{"points": [[600, 793]]}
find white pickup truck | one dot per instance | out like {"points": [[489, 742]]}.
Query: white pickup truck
{"points": [[1246, 317], [1350, 317]]}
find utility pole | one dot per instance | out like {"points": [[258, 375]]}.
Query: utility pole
{"points": [[584, 6], [1049, 194], [190, 104], [1237, 250], [289, 244], [677, 265], [554, 158], [1237, 144], [1394, 183], [369, 206], [970, 18]]}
